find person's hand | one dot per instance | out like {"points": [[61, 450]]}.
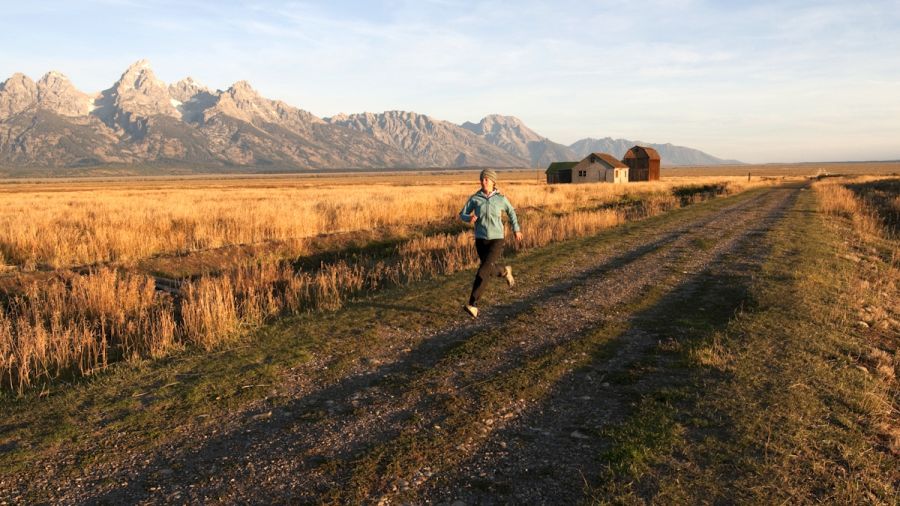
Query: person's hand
{"points": [[473, 218], [519, 235]]}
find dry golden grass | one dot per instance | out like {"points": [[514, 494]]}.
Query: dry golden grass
{"points": [[121, 224], [875, 294], [835, 198], [80, 325]]}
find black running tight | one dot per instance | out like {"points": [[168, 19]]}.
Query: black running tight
{"points": [[489, 251]]}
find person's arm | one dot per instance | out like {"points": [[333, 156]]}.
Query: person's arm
{"points": [[513, 220], [466, 213]]}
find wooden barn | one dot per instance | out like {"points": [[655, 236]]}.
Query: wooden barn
{"points": [[596, 167], [560, 172], [602, 167], [643, 164]]}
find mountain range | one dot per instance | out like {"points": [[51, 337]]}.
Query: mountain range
{"points": [[140, 120]]}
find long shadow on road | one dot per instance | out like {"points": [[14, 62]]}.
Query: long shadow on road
{"points": [[562, 449]]}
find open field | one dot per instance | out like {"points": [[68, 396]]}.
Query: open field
{"points": [[121, 224], [455, 175], [690, 341], [130, 271]]}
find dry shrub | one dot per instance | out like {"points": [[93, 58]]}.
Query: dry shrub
{"points": [[209, 311], [80, 326], [835, 199]]}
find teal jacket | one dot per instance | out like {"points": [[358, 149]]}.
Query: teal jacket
{"points": [[488, 209]]}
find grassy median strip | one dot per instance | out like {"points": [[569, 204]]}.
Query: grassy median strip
{"points": [[771, 404]]}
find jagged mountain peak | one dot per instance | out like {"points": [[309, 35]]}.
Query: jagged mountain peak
{"points": [[17, 93], [187, 89], [394, 119], [54, 79], [241, 101], [504, 129], [502, 120], [17, 81], [143, 63], [242, 89], [341, 116], [432, 141], [57, 94], [139, 76], [189, 83], [510, 134], [139, 67], [136, 96]]}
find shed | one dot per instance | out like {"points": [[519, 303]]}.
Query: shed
{"points": [[560, 172], [643, 164], [600, 167]]}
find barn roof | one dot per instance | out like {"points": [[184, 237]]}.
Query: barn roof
{"points": [[558, 166], [610, 160], [634, 153]]}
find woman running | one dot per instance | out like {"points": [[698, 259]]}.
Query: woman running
{"points": [[484, 209]]}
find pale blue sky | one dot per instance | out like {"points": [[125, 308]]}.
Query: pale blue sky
{"points": [[760, 81]]}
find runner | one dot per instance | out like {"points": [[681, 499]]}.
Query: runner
{"points": [[484, 209]]}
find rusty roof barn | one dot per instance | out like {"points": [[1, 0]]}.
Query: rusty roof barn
{"points": [[643, 164]]}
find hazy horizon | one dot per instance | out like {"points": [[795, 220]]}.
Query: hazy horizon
{"points": [[755, 81]]}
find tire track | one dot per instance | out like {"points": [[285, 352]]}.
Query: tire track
{"points": [[548, 453]]}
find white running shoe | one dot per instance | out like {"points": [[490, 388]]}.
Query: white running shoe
{"points": [[472, 310], [507, 273]]}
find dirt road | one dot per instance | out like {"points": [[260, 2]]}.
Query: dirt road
{"points": [[511, 407]]}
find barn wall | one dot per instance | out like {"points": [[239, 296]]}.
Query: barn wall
{"points": [[640, 166], [592, 171]]}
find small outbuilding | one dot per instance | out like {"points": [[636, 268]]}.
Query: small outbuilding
{"points": [[596, 167], [643, 164], [560, 172], [600, 167]]}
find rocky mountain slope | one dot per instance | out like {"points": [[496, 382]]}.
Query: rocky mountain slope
{"points": [[140, 120], [511, 134], [670, 154], [433, 143]]}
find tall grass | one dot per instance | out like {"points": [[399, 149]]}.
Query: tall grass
{"points": [[836, 199], [122, 225], [80, 325]]}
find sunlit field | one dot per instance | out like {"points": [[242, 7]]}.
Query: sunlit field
{"points": [[104, 270], [122, 222]]}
